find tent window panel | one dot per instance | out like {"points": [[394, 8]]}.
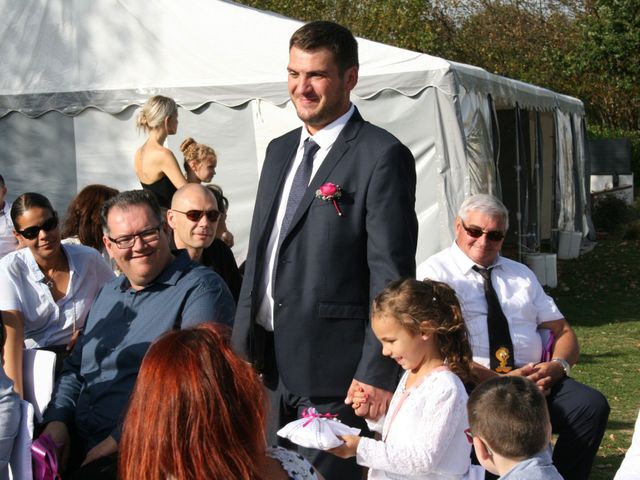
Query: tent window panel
{"points": [[507, 163]]}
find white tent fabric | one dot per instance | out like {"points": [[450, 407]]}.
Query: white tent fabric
{"points": [[75, 73]]}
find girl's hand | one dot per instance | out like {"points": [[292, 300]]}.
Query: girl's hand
{"points": [[349, 448], [359, 398]]}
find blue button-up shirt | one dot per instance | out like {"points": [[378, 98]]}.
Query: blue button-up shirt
{"points": [[98, 377]]}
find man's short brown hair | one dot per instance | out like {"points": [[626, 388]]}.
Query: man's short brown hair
{"points": [[511, 415], [323, 34]]}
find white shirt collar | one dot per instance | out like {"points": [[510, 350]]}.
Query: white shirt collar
{"points": [[465, 263], [328, 135]]}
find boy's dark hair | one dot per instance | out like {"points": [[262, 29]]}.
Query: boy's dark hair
{"points": [[323, 34], [511, 415]]}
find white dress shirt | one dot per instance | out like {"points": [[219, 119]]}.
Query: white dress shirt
{"points": [[325, 139], [23, 288], [8, 242], [523, 301]]}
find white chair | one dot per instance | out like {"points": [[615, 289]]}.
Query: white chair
{"points": [[38, 373]]}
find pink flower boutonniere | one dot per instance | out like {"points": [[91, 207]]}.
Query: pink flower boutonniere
{"points": [[330, 192]]}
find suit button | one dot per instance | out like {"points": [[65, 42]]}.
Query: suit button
{"points": [[279, 305]]}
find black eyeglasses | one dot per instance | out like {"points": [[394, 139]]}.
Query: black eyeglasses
{"points": [[475, 232], [127, 241], [196, 215], [32, 232], [470, 436]]}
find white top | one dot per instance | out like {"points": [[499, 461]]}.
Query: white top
{"points": [[23, 288], [523, 301], [296, 466], [8, 242], [425, 439], [630, 467], [325, 139]]}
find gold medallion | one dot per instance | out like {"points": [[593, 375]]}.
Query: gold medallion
{"points": [[502, 354]]}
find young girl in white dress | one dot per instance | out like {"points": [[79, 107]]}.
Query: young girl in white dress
{"points": [[420, 326]]}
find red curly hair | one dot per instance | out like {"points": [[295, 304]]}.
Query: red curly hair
{"points": [[197, 411]]}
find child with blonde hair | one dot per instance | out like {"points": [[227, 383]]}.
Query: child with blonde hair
{"points": [[200, 161], [420, 326]]}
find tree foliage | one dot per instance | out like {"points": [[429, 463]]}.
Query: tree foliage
{"points": [[411, 24], [609, 63], [584, 48]]}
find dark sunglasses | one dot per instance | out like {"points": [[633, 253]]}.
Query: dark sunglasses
{"points": [[475, 232], [32, 232], [196, 215]]}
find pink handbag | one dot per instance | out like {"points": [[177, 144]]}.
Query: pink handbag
{"points": [[44, 458]]}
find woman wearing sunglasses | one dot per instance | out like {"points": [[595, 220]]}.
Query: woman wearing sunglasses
{"points": [[46, 288]]}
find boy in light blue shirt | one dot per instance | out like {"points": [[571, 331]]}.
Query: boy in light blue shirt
{"points": [[509, 423]]}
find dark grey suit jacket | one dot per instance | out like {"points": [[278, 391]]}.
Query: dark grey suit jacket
{"points": [[330, 267]]}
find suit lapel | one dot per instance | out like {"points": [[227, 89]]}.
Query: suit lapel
{"points": [[274, 182], [337, 152]]}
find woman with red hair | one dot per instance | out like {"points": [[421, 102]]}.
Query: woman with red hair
{"points": [[198, 411]]}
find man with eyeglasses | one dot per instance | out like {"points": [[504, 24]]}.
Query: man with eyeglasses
{"points": [[8, 242], [157, 292], [504, 305], [194, 217]]}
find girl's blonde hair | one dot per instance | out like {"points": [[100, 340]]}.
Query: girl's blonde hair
{"points": [[195, 152], [154, 112], [430, 308]]}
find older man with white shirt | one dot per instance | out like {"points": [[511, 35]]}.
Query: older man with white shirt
{"points": [[504, 305]]}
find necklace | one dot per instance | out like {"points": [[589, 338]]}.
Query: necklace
{"points": [[48, 280]]}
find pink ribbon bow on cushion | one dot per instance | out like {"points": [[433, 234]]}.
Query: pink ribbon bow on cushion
{"points": [[44, 458], [311, 414]]}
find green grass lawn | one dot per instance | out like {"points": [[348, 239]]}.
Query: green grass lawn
{"points": [[599, 294]]}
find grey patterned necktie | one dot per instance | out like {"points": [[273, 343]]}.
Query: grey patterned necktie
{"points": [[299, 185]]}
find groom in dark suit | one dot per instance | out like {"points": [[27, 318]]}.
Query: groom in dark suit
{"points": [[334, 222]]}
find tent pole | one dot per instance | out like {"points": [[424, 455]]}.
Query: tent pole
{"points": [[518, 187], [539, 166]]}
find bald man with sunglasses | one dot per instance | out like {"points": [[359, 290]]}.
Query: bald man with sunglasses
{"points": [[194, 217], [497, 293]]}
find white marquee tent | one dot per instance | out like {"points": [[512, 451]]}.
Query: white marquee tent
{"points": [[74, 73]]}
